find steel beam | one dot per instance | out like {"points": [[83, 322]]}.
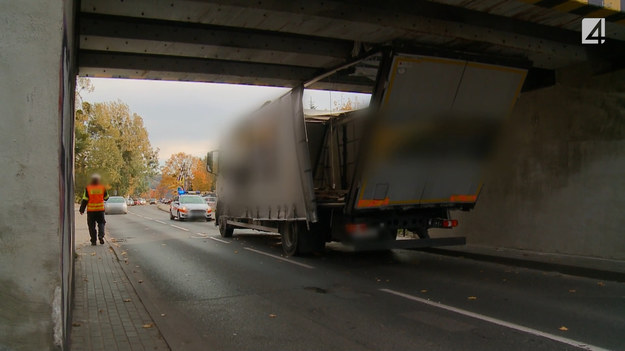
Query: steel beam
{"points": [[101, 61], [122, 27]]}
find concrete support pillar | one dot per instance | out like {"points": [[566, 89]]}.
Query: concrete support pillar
{"points": [[557, 183], [36, 146]]}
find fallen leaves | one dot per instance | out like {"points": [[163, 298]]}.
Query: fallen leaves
{"points": [[563, 328], [271, 315], [472, 298], [601, 283], [423, 291], [163, 314], [140, 281], [148, 325], [127, 300], [75, 324], [572, 290]]}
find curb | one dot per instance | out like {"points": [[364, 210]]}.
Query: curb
{"points": [[585, 272]]}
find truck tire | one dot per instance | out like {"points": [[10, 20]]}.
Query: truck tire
{"points": [[225, 230], [290, 235], [298, 240]]}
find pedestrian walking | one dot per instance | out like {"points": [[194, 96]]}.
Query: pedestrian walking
{"points": [[93, 200]]}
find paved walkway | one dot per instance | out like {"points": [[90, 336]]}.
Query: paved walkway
{"points": [[108, 314]]}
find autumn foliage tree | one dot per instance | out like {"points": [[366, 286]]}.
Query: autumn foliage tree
{"points": [[112, 141], [186, 171]]}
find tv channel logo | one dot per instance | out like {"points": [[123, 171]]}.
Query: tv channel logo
{"points": [[593, 31]]}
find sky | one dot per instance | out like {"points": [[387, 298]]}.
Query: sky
{"points": [[191, 117]]}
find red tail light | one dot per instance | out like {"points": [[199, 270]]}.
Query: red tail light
{"points": [[450, 223], [353, 228]]}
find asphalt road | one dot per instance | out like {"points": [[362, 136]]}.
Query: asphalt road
{"points": [[210, 293]]}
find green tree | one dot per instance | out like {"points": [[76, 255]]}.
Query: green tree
{"points": [[113, 142]]}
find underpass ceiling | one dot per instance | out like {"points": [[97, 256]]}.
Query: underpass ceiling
{"points": [[283, 43]]}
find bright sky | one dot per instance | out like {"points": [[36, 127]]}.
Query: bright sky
{"points": [[191, 117]]}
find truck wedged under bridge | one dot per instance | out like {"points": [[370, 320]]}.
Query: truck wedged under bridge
{"points": [[405, 162]]}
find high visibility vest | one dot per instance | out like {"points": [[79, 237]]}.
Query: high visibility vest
{"points": [[96, 198]]}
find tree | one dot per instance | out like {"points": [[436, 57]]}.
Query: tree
{"points": [[114, 143], [202, 180], [177, 171], [186, 171]]}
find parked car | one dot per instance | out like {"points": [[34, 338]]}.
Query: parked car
{"points": [[189, 207], [115, 204], [142, 201], [152, 201], [137, 202]]}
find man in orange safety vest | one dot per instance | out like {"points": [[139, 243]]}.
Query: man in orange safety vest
{"points": [[93, 200]]}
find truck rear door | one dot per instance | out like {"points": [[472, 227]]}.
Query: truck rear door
{"points": [[433, 130]]}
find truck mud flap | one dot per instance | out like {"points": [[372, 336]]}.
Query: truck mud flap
{"points": [[408, 244]]}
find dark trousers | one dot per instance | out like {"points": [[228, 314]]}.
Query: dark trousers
{"points": [[92, 219]]}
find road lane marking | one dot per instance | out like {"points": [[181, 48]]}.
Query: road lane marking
{"points": [[150, 218], [181, 228], [220, 240], [161, 222], [499, 322], [201, 236], [279, 258]]}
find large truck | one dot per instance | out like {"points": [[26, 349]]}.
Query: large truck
{"points": [[415, 154]]}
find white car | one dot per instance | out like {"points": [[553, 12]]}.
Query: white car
{"points": [[115, 204], [189, 207]]}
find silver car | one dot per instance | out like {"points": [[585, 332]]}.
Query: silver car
{"points": [[189, 207], [115, 204]]}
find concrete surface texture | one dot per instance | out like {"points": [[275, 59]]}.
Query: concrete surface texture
{"points": [[32, 293], [557, 180]]}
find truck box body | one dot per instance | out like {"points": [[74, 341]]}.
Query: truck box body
{"points": [[414, 154]]}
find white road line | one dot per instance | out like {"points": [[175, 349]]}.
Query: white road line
{"points": [[220, 240], [482, 317], [150, 218], [181, 228], [161, 222], [280, 258], [202, 235]]}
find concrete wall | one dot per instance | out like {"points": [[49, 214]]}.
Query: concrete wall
{"points": [[35, 148], [557, 183]]}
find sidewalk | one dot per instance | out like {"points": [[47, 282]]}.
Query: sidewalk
{"points": [[108, 315], [588, 267]]}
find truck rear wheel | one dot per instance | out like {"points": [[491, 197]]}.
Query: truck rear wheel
{"points": [[225, 230], [290, 236], [297, 240]]}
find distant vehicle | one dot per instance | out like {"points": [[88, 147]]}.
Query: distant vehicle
{"points": [[189, 207], [115, 204], [211, 200], [137, 202], [152, 201], [142, 201], [130, 202]]}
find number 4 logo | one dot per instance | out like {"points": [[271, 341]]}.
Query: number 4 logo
{"points": [[593, 30]]}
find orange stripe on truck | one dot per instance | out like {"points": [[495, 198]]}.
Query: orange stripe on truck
{"points": [[373, 203], [463, 198]]}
